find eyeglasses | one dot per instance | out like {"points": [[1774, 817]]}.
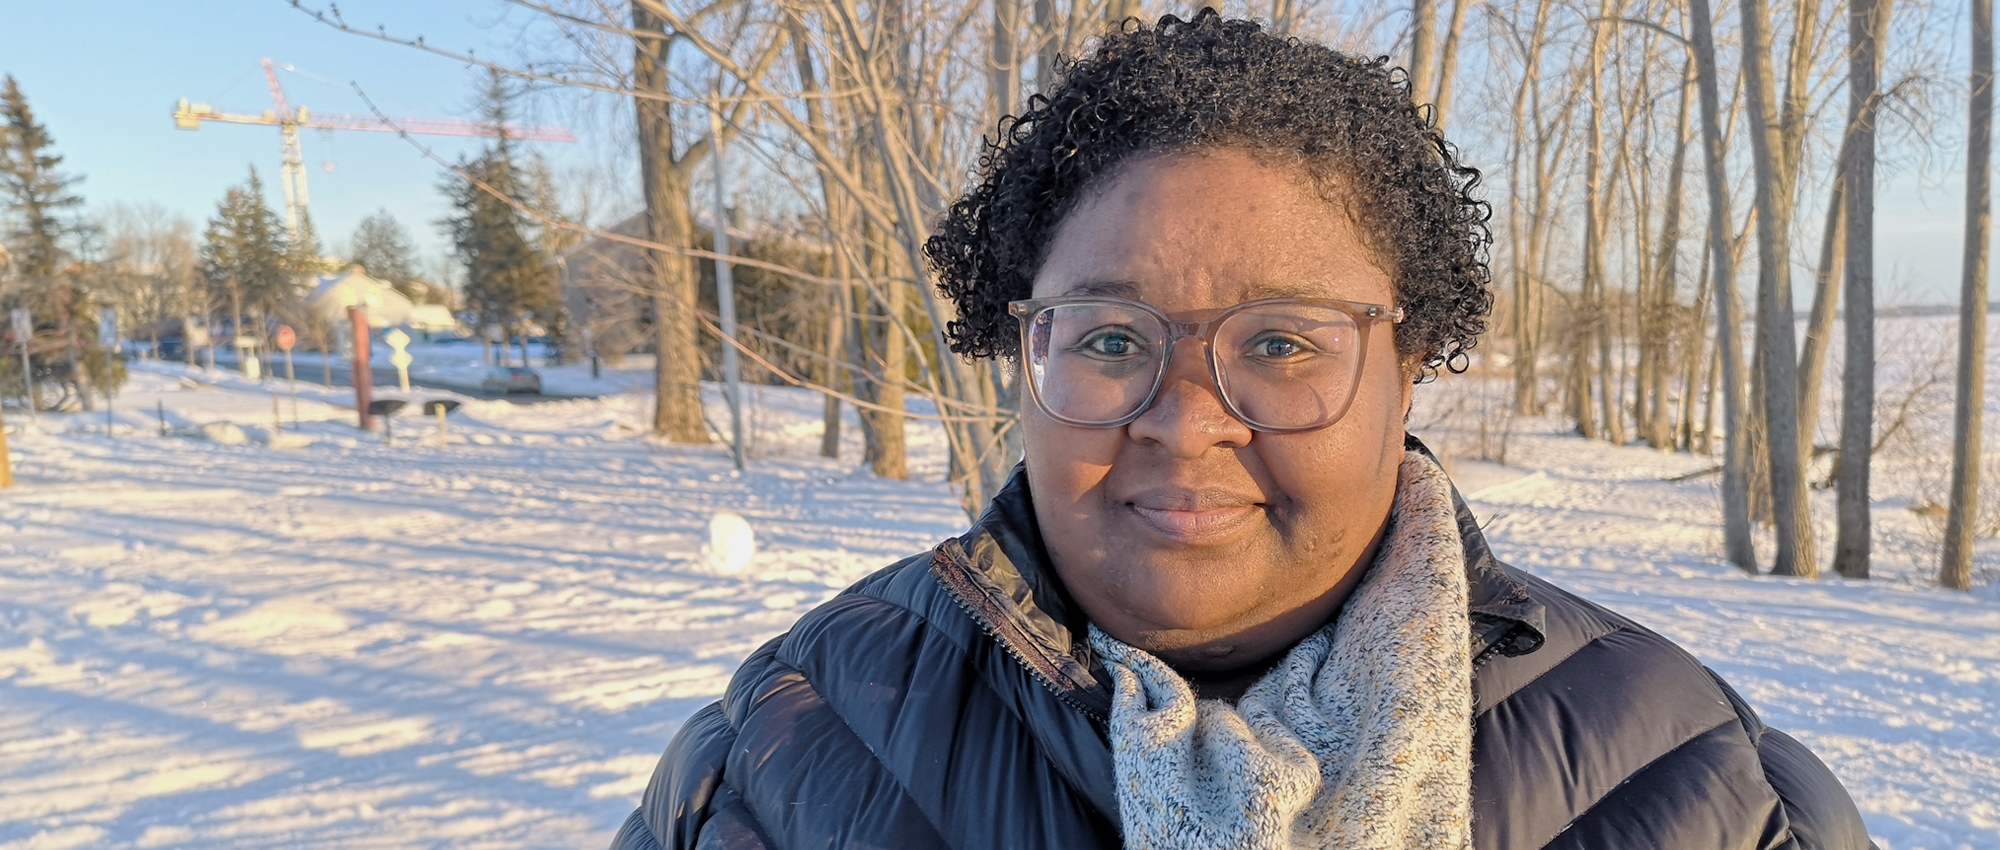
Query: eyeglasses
{"points": [[1281, 365]]}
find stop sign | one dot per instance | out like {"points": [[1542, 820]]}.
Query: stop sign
{"points": [[286, 338]]}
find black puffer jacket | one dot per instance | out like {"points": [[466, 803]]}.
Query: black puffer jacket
{"points": [[947, 702]]}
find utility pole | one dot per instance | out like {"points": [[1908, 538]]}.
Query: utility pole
{"points": [[725, 287]]}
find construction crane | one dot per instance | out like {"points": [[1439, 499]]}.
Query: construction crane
{"points": [[188, 116]]}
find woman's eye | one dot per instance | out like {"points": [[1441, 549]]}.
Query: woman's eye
{"points": [[1111, 344], [1276, 347]]}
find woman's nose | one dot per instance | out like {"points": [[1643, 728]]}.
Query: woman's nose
{"points": [[1188, 417]]}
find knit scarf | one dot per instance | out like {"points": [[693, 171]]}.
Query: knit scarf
{"points": [[1360, 739]]}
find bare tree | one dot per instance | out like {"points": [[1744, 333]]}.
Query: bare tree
{"points": [[1770, 151], [1735, 479], [1867, 26], [1967, 420], [1423, 50]]}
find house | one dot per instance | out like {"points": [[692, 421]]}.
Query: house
{"points": [[333, 293], [606, 285]]}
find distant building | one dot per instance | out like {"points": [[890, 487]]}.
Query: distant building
{"points": [[333, 293], [605, 286]]}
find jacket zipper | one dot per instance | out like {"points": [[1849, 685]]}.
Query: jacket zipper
{"points": [[1493, 648], [962, 593]]}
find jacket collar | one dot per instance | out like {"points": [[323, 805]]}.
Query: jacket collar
{"points": [[999, 572]]}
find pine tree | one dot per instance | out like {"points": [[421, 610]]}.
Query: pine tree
{"points": [[508, 281], [250, 266], [382, 247], [37, 196]]}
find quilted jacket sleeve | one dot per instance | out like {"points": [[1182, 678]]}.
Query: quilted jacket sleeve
{"points": [[1821, 814], [686, 805]]}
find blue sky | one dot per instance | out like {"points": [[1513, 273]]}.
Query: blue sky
{"points": [[104, 76]]}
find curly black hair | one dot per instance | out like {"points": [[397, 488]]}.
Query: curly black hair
{"points": [[1189, 85]]}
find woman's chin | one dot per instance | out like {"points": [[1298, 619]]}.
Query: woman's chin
{"points": [[1166, 612]]}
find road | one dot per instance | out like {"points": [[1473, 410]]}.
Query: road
{"points": [[385, 376]]}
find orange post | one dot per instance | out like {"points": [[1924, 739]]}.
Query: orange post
{"points": [[7, 460], [362, 378]]}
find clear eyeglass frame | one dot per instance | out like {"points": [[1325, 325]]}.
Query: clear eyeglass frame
{"points": [[1203, 328]]}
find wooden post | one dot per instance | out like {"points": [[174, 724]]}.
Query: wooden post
{"points": [[363, 379], [6, 459]]}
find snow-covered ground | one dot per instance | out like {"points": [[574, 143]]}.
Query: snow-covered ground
{"points": [[222, 637]]}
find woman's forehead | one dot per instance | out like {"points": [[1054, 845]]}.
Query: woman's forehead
{"points": [[1214, 227]]}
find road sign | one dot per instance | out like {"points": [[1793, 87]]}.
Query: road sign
{"points": [[397, 341], [24, 324], [287, 338], [107, 327]]}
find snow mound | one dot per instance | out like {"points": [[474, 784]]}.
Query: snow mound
{"points": [[224, 433], [731, 543], [288, 617]]}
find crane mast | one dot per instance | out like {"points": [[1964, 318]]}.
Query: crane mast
{"points": [[288, 120]]}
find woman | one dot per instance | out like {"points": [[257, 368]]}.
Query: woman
{"points": [[1225, 602]]}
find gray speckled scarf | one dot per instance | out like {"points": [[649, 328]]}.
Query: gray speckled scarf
{"points": [[1361, 738]]}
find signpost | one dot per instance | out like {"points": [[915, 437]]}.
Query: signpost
{"points": [[438, 408], [386, 408], [496, 335], [286, 338], [246, 356], [107, 336], [398, 341], [194, 334], [24, 328]]}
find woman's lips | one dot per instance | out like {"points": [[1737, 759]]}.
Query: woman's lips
{"points": [[1196, 526]]}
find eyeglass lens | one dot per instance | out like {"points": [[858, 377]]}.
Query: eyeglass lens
{"points": [[1281, 366]]}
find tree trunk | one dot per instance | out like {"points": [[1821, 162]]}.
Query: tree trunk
{"points": [[1737, 543], [1696, 361], [1448, 62], [838, 297], [890, 459], [1961, 517], [677, 359], [1590, 299], [1658, 422], [1826, 299], [1423, 51], [1527, 295], [1050, 34], [1004, 58], [1774, 288], [1867, 25]]}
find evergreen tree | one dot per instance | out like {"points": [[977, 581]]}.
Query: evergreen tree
{"points": [[37, 195], [508, 280], [382, 247], [37, 233], [250, 267]]}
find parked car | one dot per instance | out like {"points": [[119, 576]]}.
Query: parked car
{"points": [[511, 379]]}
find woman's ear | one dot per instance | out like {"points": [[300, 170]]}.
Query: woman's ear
{"points": [[1411, 371]]}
